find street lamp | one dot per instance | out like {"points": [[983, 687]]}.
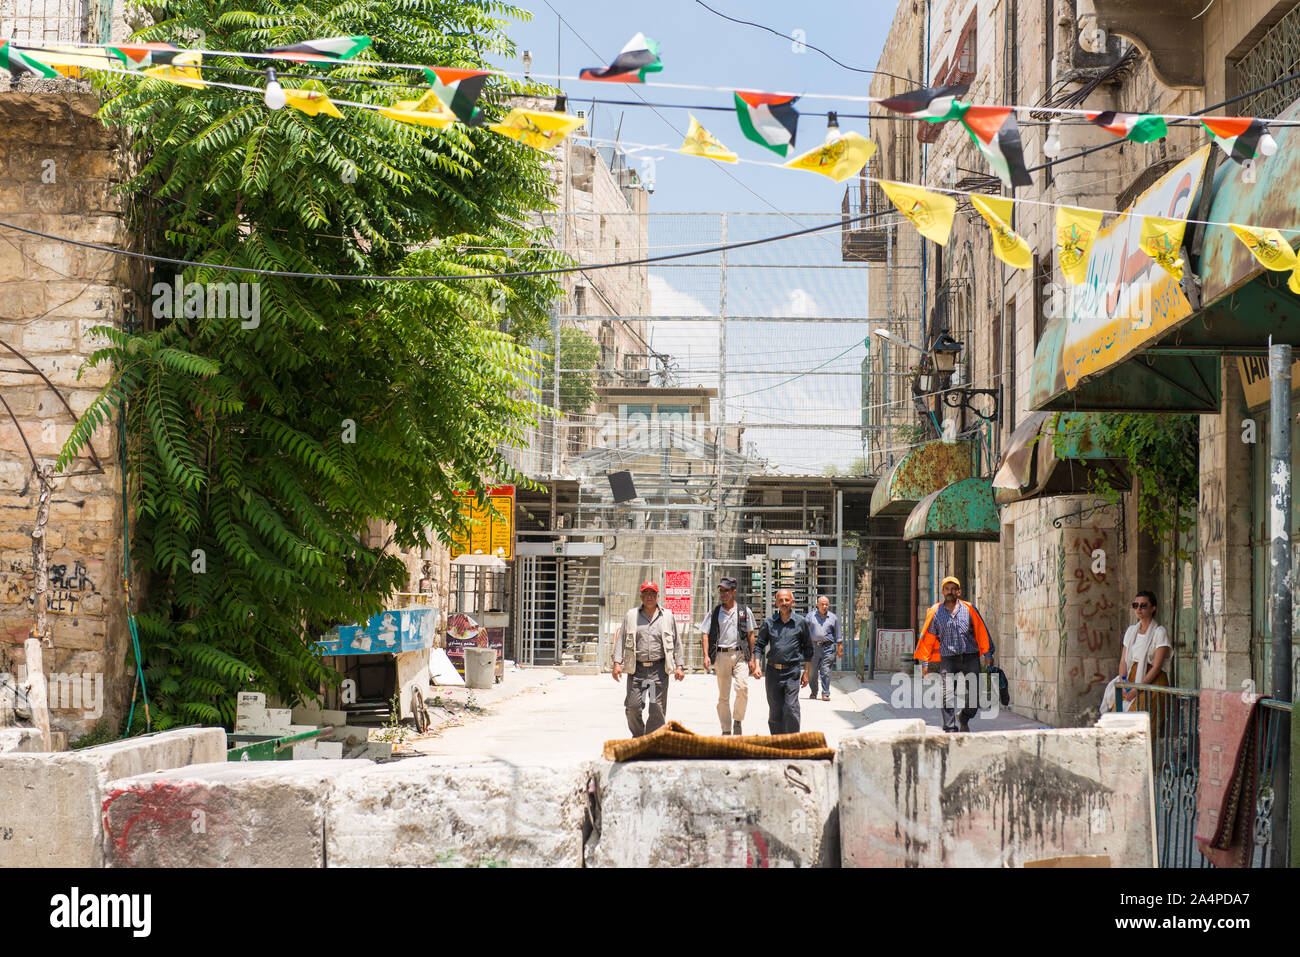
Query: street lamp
{"points": [[926, 378]]}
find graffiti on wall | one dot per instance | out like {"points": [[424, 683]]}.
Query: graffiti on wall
{"points": [[68, 588]]}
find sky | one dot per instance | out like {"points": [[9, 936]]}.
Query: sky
{"points": [[804, 366]]}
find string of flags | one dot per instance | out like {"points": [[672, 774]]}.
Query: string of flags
{"points": [[767, 119]]}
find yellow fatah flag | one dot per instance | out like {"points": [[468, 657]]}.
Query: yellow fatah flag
{"points": [[931, 213], [1161, 239], [1007, 246], [1076, 229], [311, 102], [700, 142], [1268, 246], [536, 128], [1294, 282], [428, 110], [839, 158], [184, 70]]}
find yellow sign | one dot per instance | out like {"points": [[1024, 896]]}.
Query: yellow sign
{"points": [[1254, 378], [481, 532]]}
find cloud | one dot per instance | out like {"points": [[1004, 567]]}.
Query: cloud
{"points": [[801, 304], [667, 301]]}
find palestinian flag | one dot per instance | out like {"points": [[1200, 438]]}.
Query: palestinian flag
{"points": [[458, 90], [637, 58], [933, 103], [996, 133], [332, 48], [1138, 127], [1241, 137], [769, 119], [142, 56], [17, 62]]}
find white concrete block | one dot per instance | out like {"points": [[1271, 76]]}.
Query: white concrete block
{"points": [[716, 814], [317, 751], [231, 814], [278, 720], [996, 798], [52, 802], [458, 812], [20, 740]]}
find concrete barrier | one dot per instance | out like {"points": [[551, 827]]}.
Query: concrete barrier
{"points": [[51, 803], [20, 740], [716, 814], [459, 812], [996, 799], [229, 814]]}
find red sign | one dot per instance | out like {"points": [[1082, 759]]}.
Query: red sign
{"points": [[677, 595]]}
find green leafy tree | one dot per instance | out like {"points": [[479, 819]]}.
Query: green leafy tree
{"points": [[579, 357], [258, 452]]}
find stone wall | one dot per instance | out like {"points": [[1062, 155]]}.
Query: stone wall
{"points": [[57, 175]]}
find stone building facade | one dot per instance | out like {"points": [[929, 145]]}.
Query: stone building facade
{"points": [[1057, 616]]}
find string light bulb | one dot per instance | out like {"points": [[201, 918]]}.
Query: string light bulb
{"points": [[1052, 145], [833, 134], [275, 98]]}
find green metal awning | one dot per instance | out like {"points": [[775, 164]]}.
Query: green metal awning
{"points": [[1167, 357], [1034, 466], [960, 512], [921, 471]]}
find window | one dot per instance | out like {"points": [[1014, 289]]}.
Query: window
{"points": [[1009, 373], [1042, 280]]}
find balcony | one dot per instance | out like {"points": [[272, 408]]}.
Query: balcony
{"points": [[1168, 30], [864, 241]]}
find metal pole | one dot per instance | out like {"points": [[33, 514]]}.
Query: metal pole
{"points": [[845, 613], [1280, 585], [722, 387]]}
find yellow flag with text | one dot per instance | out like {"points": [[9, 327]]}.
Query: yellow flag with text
{"points": [[311, 102], [931, 213], [700, 142], [536, 128], [1076, 229], [839, 158], [1161, 239], [1268, 246], [1007, 246], [185, 69]]}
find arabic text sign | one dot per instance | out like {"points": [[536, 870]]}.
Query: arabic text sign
{"points": [[677, 595], [482, 533], [1128, 300]]}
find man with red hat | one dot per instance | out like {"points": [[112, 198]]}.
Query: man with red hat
{"points": [[648, 647]]}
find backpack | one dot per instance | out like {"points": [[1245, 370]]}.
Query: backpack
{"points": [[1004, 686]]}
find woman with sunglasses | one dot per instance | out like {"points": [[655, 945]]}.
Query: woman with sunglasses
{"points": [[1146, 652]]}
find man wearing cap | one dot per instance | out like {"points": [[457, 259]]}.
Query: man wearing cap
{"points": [[728, 635], [955, 635], [788, 643], [648, 647]]}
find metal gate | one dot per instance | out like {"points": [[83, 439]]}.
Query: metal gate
{"points": [[810, 570], [559, 610]]}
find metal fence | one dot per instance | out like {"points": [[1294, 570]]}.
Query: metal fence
{"points": [[56, 21], [1175, 724]]}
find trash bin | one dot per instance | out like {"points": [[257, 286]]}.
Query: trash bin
{"points": [[480, 667]]}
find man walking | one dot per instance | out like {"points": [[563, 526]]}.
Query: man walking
{"points": [[729, 648], [955, 632], [784, 637], [828, 644], [648, 647]]}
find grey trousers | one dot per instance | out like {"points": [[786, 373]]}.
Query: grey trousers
{"points": [[647, 685], [783, 699]]}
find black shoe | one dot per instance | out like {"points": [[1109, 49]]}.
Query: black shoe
{"points": [[726, 733], [964, 726]]}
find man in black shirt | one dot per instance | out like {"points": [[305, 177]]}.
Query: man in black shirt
{"points": [[788, 643]]}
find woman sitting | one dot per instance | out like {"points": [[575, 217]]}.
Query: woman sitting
{"points": [[1146, 653]]}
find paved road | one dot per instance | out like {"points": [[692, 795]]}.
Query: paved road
{"points": [[540, 712]]}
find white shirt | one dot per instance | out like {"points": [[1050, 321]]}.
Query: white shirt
{"points": [[1142, 648]]}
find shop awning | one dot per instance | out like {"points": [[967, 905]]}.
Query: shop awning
{"points": [[1132, 341], [1033, 465], [921, 471], [960, 512]]}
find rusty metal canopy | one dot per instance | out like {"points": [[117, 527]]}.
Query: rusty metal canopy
{"points": [[921, 471], [961, 512], [1042, 469]]}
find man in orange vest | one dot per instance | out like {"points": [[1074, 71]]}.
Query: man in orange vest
{"points": [[953, 639]]}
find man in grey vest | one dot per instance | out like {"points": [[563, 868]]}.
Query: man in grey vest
{"points": [[648, 647], [729, 647]]}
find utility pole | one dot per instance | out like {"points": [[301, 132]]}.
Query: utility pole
{"points": [[1281, 583], [33, 647]]}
